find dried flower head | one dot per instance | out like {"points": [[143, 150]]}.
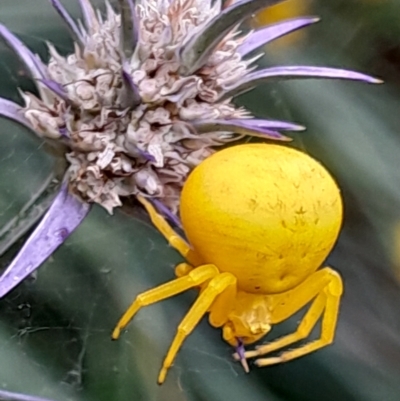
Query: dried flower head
{"points": [[145, 97]]}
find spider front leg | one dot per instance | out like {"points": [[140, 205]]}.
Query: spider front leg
{"points": [[174, 239], [195, 278], [212, 292], [325, 287]]}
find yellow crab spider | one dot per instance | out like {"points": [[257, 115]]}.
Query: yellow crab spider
{"points": [[260, 220]]}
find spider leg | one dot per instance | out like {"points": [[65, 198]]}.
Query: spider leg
{"points": [[223, 305], [303, 330], [174, 239], [195, 278], [203, 303], [325, 286], [183, 269]]}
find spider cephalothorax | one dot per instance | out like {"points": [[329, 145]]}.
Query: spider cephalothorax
{"points": [[260, 220]]}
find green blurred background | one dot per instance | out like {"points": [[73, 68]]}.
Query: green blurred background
{"points": [[55, 327]]}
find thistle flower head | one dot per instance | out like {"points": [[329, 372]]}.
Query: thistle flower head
{"points": [[145, 96], [128, 106]]}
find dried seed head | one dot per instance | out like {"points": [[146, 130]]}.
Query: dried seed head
{"points": [[118, 150]]}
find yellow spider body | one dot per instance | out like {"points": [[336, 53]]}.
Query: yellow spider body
{"points": [[260, 220], [268, 214]]}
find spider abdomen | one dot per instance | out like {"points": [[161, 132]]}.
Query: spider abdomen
{"points": [[268, 214]]}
